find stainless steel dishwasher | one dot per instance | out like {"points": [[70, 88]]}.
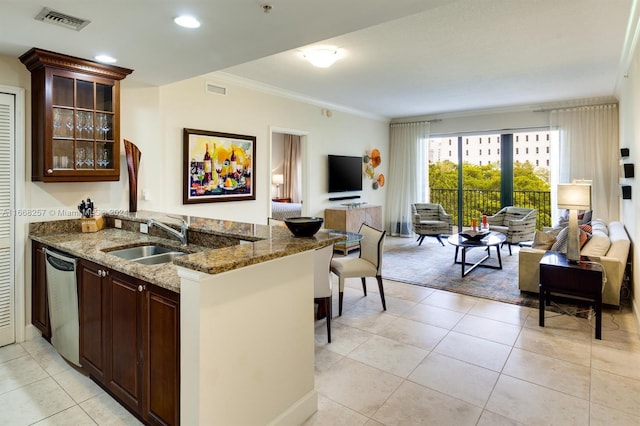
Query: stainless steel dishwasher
{"points": [[62, 291]]}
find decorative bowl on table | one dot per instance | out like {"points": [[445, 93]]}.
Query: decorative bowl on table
{"points": [[474, 235], [304, 226]]}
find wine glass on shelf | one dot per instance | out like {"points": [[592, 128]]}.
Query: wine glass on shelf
{"points": [[57, 122], [106, 126], [100, 126], [88, 125], [81, 157], [68, 121]]}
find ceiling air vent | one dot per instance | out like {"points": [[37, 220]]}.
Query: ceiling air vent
{"points": [[218, 90], [64, 20]]}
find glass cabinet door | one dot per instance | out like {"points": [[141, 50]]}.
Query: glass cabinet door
{"points": [[82, 121]]}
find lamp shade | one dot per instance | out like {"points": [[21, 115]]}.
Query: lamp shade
{"points": [[278, 179], [574, 196]]}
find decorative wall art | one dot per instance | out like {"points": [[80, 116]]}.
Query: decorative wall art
{"points": [[372, 160], [218, 167]]}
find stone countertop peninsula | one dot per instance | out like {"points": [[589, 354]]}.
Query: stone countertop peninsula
{"points": [[215, 246]]}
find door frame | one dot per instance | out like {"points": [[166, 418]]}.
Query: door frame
{"points": [[304, 154], [20, 237]]}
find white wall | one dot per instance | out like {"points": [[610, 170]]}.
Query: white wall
{"points": [[277, 159], [629, 95], [249, 112]]}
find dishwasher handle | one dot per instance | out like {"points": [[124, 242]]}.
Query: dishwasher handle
{"points": [[60, 261]]}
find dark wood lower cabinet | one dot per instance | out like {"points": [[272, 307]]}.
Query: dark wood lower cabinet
{"points": [[39, 299], [93, 319], [162, 349], [130, 341]]}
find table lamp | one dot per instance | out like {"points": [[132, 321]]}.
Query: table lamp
{"points": [[574, 196], [277, 181]]}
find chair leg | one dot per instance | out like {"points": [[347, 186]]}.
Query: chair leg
{"points": [[364, 285], [340, 297], [439, 240], [509, 249], [381, 289], [327, 308], [420, 239]]}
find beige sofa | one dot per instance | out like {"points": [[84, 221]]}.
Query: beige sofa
{"points": [[609, 245]]}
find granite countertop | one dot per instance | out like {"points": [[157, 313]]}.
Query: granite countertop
{"points": [[260, 243]]}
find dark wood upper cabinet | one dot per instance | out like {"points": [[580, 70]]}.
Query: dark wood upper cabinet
{"points": [[75, 118]]}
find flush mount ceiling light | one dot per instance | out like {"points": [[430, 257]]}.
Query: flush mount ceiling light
{"points": [[106, 59], [187, 21], [322, 56]]}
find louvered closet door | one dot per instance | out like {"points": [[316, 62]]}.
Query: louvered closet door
{"points": [[7, 140]]}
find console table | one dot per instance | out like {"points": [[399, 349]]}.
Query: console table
{"points": [[349, 219], [583, 280]]}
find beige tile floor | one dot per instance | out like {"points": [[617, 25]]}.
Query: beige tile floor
{"points": [[433, 357], [441, 358]]}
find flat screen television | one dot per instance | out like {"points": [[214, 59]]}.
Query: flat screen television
{"points": [[345, 173]]}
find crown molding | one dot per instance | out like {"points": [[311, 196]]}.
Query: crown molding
{"points": [[224, 77]]}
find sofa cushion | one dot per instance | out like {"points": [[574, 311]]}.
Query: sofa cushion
{"points": [[598, 245], [598, 225]]}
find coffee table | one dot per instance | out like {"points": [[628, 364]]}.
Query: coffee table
{"points": [[494, 239]]}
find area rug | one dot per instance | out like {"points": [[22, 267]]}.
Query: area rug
{"points": [[432, 265]]}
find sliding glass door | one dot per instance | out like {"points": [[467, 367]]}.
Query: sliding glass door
{"points": [[472, 175]]}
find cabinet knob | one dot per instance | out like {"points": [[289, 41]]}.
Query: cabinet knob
{"points": [[141, 287], [49, 171]]}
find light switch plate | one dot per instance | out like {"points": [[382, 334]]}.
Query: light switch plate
{"points": [[118, 223], [144, 228]]}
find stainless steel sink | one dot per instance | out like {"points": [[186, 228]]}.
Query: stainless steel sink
{"points": [[151, 254]]}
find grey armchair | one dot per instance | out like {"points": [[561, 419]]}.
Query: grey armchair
{"points": [[517, 223], [430, 220]]}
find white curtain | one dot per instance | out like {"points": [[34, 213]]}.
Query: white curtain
{"points": [[589, 150], [408, 179], [292, 168]]}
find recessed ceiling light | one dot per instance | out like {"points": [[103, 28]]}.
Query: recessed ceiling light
{"points": [[187, 21], [106, 59], [322, 56]]}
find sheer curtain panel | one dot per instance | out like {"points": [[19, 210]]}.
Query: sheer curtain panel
{"points": [[589, 150], [408, 179], [292, 168]]}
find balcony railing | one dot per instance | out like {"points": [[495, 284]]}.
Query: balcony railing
{"points": [[477, 202]]}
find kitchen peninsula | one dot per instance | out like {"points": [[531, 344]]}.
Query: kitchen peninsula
{"points": [[245, 291]]}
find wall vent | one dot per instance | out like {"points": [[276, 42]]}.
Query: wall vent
{"points": [[218, 90], [64, 20]]}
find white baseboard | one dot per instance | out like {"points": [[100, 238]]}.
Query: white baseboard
{"points": [[31, 332], [299, 411]]}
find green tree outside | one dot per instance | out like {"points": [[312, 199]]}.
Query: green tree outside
{"points": [[481, 189]]}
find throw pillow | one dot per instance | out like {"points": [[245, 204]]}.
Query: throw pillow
{"points": [[586, 228], [543, 240], [561, 240], [597, 246]]}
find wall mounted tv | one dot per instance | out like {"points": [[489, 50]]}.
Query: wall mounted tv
{"points": [[345, 173]]}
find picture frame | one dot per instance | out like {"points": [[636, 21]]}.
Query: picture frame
{"points": [[218, 167]]}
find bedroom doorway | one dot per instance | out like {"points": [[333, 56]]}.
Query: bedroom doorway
{"points": [[287, 173]]}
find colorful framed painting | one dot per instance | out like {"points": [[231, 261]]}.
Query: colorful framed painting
{"points": [[218, 167]]}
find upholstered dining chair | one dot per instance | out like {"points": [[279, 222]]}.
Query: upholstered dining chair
{"points": [[430, 220], [369, 264], [517, 223], [322, 283]]}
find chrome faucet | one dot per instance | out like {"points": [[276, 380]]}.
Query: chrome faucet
{"points": [[182, 235]]}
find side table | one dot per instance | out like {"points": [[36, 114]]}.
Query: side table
{"points": [[583, 280]]}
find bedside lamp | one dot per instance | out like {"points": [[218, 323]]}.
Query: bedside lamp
{"points": [[277, 181], [574, 196]]}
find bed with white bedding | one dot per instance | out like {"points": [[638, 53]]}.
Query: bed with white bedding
{"points": [[282, 211]]}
